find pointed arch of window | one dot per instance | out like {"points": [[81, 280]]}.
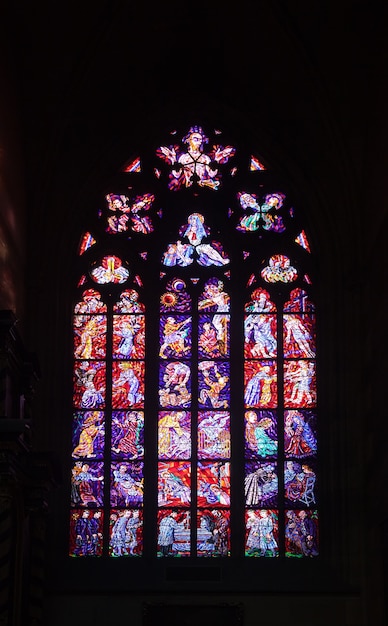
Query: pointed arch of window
{"points": [[195, 392]]}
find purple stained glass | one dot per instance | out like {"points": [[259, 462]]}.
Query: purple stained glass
{"points": [[89, 385], [89, 336], [299, 384], [174, 484], [173, 533], [175, 336], [213, 532], [128, 434], [174, 435], [213, 384], [175, 298], [261, 533], [88, 435], [213, 336], [128, 337], [87, 484], [127, 484], [300, 436], [299, 335], [189, 163], [299, 484], [174, 384], [128, 384], [86, 531], [260, 384], [261, 484], [260, 434], [126, 532], [301, 533], [214, 435], [213, 478]]}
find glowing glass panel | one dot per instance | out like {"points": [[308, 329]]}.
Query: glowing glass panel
{"points": [[301, 533], [128, 337], [126, 532], [213, 532], [88, 435], [127, 384], [87, 242], [127, 434], [174, 436], [265, 215], [256, 165], [262, 533], [302, 240], [133, 166], [190, 165], [214, 435], [173, 533], [87, 484], [261, 484], [86, 532], [111, 270]]}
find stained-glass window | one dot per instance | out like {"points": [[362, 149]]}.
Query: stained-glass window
{"points": [[194, 369]]}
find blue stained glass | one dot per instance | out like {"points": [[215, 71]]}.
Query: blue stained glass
{"points": [[261, 484], [126, 532], [262, 533], [127, 484], [173, 533]]}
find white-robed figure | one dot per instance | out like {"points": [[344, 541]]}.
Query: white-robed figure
{"points": [[167, 527], [195, 232]]}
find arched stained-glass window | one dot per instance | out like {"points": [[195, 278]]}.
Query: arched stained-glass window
{"points": [[195, 392]]}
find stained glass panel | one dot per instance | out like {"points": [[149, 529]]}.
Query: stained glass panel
{"points": [[232, 348]]}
